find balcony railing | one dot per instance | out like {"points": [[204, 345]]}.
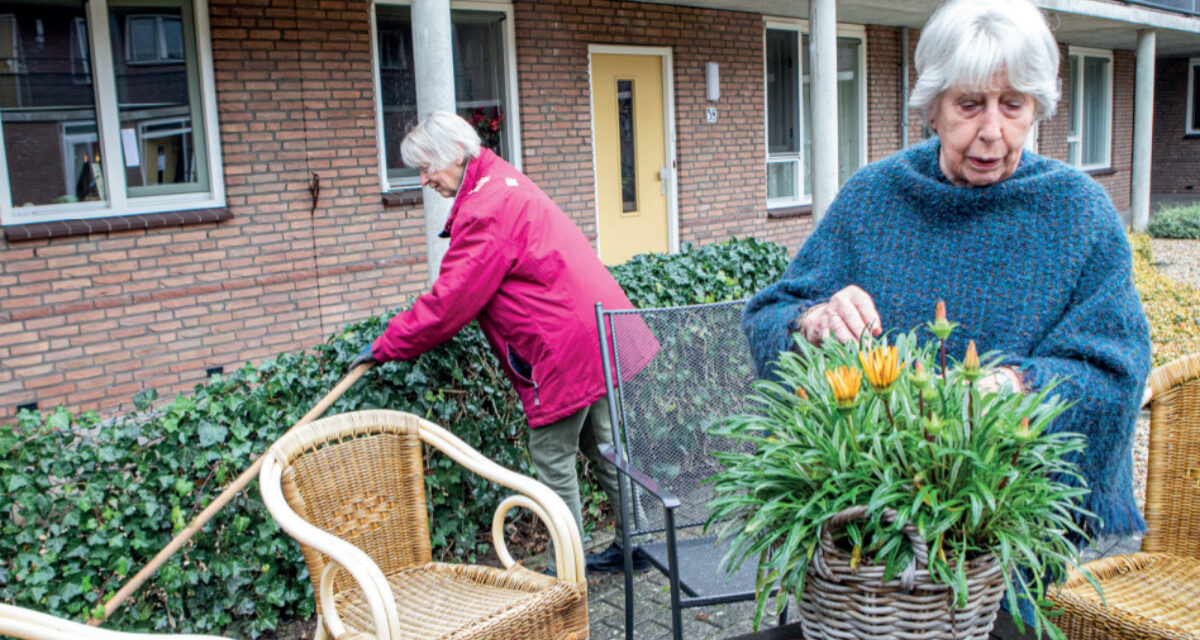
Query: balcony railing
{"points": [[1190, 7]]}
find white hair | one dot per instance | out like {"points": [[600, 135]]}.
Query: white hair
{"points": [[966, 42], [439, 141]]}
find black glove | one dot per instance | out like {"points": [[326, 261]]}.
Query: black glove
{"points": [[364, 356]]}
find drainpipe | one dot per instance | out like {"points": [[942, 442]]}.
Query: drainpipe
{"points": [[433, 62], [1143, 128], [903, 87], [823, 54]]}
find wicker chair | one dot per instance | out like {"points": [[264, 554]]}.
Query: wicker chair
{"points": [[1153, 593], [17, 622], [350, 488]]}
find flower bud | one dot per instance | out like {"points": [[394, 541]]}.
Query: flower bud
{"points": [[919, 377], [970, 364], [941, 327]]}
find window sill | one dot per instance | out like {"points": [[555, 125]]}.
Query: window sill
{"points": [[1192, 136], [63, 228], [1101, 172], [402, 198], [786, 213]]}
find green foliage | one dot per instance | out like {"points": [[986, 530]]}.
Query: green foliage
{"points": [[88, 502], [1181, 222], [975, 472], [1172, 308], [712, 273]]}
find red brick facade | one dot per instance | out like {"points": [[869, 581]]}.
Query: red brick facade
{"points": [[87, 321], [1175, 163], [721, 175]]}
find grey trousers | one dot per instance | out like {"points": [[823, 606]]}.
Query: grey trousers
{"points": [[553, 448]]}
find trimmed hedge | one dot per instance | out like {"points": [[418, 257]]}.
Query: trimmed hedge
{"points": [[1181, 222], [87, 502]]}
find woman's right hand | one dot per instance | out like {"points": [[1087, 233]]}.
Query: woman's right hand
{"points": [[845, 316]]}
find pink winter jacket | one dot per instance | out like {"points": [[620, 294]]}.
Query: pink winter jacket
{"points": [[519, 265]]}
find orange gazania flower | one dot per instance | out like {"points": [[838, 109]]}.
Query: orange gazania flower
{"points": [[845, 382], [801, 393], [882, 366], [939, 312]]}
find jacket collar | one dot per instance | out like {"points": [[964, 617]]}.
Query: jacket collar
{"points": [[473, 177]]}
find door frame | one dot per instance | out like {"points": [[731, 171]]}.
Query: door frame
{"points": [[668, 89]]}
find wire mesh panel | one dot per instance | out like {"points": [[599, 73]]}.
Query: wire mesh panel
{"points": [[702, 372]]}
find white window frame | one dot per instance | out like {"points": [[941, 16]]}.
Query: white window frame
{"points": [[800, 26], [511, 118], [108, 126], [160, 40], [1077, 107], [81, 66], [1191, 98]]}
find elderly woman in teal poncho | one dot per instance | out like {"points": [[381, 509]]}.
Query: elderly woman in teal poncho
{"points": [[1028, 253]]}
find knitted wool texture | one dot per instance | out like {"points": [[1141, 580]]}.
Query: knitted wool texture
{"points": [[1036, 267]]}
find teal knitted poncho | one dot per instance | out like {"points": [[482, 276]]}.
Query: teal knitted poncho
{"points": [[1036, 267]]}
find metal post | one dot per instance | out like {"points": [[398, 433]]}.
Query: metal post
{"points": [[625, 492], [1143, 130], [673, 574], [434, 65], [823, 63]]}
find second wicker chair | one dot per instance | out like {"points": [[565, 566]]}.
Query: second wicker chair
{"points": [[1153, 594], [350, 488]]}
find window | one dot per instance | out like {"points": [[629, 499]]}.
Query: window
{"points": [[1089, 132], [156, 39], [483, 84], [789, 123], [1193, 102], [125, 131]]}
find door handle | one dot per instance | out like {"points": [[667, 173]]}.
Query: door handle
{"points": [[664, 175]]}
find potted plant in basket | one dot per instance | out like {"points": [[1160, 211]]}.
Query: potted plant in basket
{"points": [[893, 497]]}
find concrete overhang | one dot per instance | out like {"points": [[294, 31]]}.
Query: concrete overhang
{"points": [[1088, 23]]}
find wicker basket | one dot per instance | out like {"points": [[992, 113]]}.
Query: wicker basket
{"points": [[840, 603]]}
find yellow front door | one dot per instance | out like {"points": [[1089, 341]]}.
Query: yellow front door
{"points": [[627, 103]]}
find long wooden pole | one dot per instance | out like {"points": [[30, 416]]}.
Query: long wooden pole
{"points": [[223, 499]]}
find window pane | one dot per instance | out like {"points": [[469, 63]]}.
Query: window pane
{"points": [[479, 81], [625, 135], [783, 109], [141, 38], [1195, 124], [1073, 98], [49, 117], [781, 180], [479, 85], [158, 99], [1095, 111], [806, 102], [848, 109]]}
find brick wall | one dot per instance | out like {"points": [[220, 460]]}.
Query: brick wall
{"points": [[1117, 183], [721, 166], [1175, 162], [89, 320]]}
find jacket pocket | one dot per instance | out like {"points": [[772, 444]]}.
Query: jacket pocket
{"points": [[524, 371]]}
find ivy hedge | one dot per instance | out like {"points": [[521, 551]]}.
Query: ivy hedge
{"points": [[85, 502]]}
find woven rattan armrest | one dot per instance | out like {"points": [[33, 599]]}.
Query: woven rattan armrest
{"points": [[32, 625], [664, 496], [352, 559]]}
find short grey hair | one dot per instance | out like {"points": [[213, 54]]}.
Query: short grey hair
{"points": [[966, 42], [438, 141]]}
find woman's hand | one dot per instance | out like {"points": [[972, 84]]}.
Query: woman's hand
{"points": [[1001, 377], [846, 315]]}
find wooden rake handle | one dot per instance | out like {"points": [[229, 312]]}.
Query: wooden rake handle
{"points": [[233, 489]]}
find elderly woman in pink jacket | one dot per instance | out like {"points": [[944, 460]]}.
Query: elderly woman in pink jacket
{"points": [[520, 267]]}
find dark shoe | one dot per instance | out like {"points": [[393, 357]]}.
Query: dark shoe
{"points": [[612, 560]]}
